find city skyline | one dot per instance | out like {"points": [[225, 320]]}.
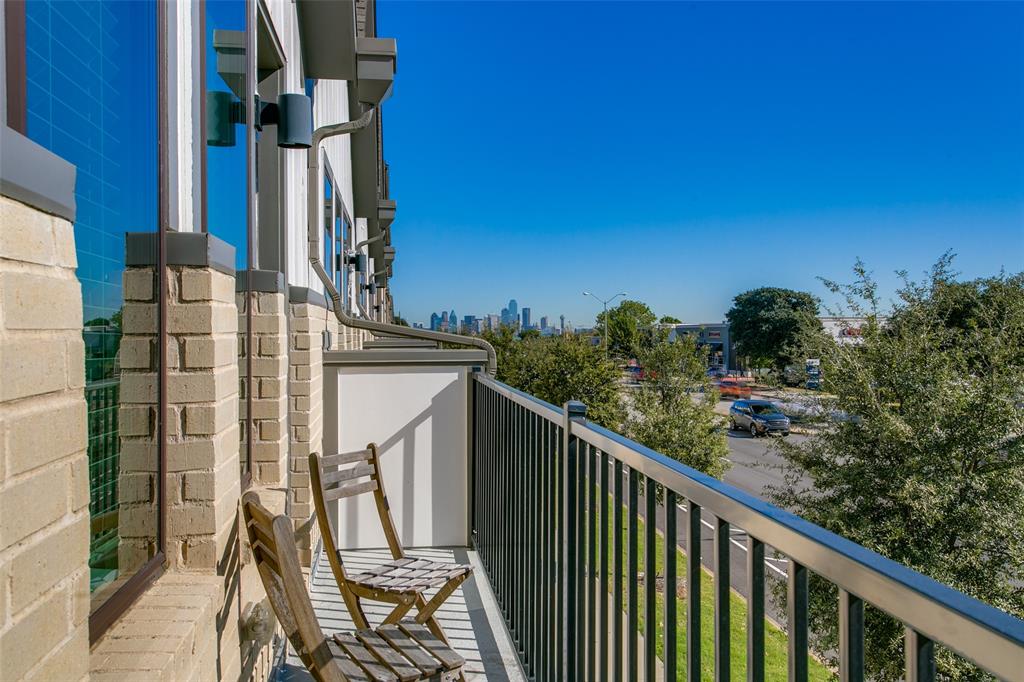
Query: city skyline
{"points": [[511, 315], [780, 143]]}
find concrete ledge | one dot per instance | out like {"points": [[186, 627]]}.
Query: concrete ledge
{"points": [[198, 249], [36, 176], [260, 281], [406, 356], [307, 295]]}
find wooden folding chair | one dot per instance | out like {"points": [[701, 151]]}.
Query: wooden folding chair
{"points": [[405, 651], [401, 582]]}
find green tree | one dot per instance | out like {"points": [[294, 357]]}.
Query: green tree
{"points": [[669, 319], [921, 454], [673, 410], [558, 369], [774, 327], [399, 320], [628, 325]]}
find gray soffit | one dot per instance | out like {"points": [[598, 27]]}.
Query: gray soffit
{"points": [[424, 357], [364, 167], [197, 249], [34, 175], [376, 60], [306, 295], [386, 212], [262, 281], [327, 31]]}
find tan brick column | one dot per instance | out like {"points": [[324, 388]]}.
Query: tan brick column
{"points": [[202, 485], [305, 373], [44, 482], [269, 376]]}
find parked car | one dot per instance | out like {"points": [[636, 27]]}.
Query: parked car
{"points": [[731, 387], [759, 417]]}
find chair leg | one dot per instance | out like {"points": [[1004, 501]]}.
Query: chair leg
{"points": [[355, 607]]}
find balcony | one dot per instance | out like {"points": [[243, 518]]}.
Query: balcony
{"points": [[552, 510]]}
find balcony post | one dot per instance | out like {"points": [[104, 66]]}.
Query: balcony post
{"points": [[471, 452], [573, 411]]}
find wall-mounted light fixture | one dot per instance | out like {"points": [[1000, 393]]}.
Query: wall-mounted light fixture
{"points": [[292, 114]]}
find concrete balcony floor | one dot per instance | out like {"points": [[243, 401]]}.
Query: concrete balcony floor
{"points": [[470, 617]]}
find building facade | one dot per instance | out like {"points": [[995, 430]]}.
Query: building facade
{"points": [[715, 337], [172, 248]]}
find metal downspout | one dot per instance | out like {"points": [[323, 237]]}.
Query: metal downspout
{"points": [[313, 237]]}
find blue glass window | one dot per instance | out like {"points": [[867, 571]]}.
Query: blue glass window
{"points": [[91, 98]]}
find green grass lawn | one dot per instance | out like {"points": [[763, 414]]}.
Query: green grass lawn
{"points": [[775, 640]]}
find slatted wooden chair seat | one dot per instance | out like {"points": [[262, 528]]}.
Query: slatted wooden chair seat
{"points": [[405, 651], [403, 580], [409, 575]]}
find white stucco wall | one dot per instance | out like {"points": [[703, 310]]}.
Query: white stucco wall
{"points": [[417, 415]]}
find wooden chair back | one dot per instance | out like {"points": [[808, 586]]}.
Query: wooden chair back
{"points": [[275, 552], [336, 477]]}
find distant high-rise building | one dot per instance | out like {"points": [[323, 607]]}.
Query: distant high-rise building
{"points": [[469, 323], [435, 322], [506, 317], [561, 327], [443, 322], [543, 322], [513, 311], [493, 322], [453, 322], [526, 318]]}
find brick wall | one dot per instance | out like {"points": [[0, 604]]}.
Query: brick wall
{"points": [[270, 377], [305, 374], [44, 486]]}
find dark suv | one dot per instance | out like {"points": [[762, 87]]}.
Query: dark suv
{"points": [[759, 417]]}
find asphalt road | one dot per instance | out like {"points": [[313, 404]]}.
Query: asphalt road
{"points": [[755, 468]]}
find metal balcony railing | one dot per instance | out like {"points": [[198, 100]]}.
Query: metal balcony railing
{"points": [[539, 474]]}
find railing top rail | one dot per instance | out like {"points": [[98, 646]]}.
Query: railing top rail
{"points": [[988, 636], [536, 405]]}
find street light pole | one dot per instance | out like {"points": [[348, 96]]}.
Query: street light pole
{"points": [[605, 304]]}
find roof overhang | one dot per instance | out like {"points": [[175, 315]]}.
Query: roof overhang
{"points": [[327, 32]]}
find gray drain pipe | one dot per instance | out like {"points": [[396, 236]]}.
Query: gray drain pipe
{"points": [[313, 236]]}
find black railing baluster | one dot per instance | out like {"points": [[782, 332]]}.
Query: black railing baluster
{"points": [[519, 565], [558, 568], [796, 621], [592, 569], [581, 558], [755, 610], [535, 550], [851, 637], [650, 578], [616, 606], [632, 567], [572, 411], [692, 592], [602, 590], [670, 585], [722, 594], [919, 652]]}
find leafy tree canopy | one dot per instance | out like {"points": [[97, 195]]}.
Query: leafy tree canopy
{"points": [[673, 410], [669, 319], [921, 452], [558, 369], [773, 327], [628, 325]]}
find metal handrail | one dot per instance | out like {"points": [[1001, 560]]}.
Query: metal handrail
{"points": [[991, 638], [988, 636]]}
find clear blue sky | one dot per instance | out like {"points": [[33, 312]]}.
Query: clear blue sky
{"points": [[688, 152]]}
